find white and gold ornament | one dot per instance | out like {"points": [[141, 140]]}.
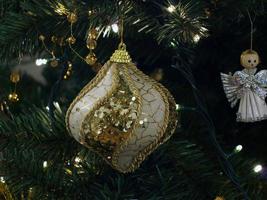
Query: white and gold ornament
{"points": [[122, 114], [249, 87]]}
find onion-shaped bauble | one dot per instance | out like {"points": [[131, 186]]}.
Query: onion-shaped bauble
{"points": [[122, 114]]}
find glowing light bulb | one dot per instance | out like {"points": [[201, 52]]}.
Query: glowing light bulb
{"points": [[257, 168], [45, 164], [171, 8], [57, 106], [77, 159], [177, 107], [115, 28], [238, 148], [196, 38], [106, 31], [40, 61], [2, 179]]}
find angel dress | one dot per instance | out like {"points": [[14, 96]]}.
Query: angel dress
{"points": [[250, 88]]}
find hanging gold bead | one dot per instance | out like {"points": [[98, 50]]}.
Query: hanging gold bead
{"points": [[71, 40], [92, 35], [14, 77], [54, 63], [72, 17], [54, 39], [41, 37], [13, 97], [91, 44], [91, 59]]}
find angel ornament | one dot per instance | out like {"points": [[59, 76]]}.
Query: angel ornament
{"points": [[249, 87]]}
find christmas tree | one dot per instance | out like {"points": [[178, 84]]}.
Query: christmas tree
{"points": [[51, 49]]}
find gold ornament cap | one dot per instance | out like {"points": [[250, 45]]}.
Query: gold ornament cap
{"points": [[121, 55]]}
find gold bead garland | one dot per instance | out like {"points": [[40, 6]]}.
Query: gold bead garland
{"points": [[71, 40], [54, 39], [14, 78], [69, 71], [91, 58], [72, 17]]}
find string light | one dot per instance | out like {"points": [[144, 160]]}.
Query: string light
{"points": [[77, 162], [196, 38], [238, 148], [135, 22], [171, 8], [106, 31], [45, 164], [115, 28], [177, 107], [77, 159], [2, 179], [57, 106], [40, 62], [257, 168], [172, 44]]}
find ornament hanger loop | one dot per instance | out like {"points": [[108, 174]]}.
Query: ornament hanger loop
{"points": [[251, 29], [121, 25]]}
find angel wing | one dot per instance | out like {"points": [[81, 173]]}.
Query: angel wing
{"points": [[231, 88], [261, 78]]}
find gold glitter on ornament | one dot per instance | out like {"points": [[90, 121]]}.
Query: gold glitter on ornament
{"points": [[111, 123]]}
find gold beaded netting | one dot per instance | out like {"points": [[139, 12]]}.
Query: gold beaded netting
{"points": [[122, 114]]}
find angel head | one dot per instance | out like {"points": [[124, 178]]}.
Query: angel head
{"points": [[249, 59]]}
